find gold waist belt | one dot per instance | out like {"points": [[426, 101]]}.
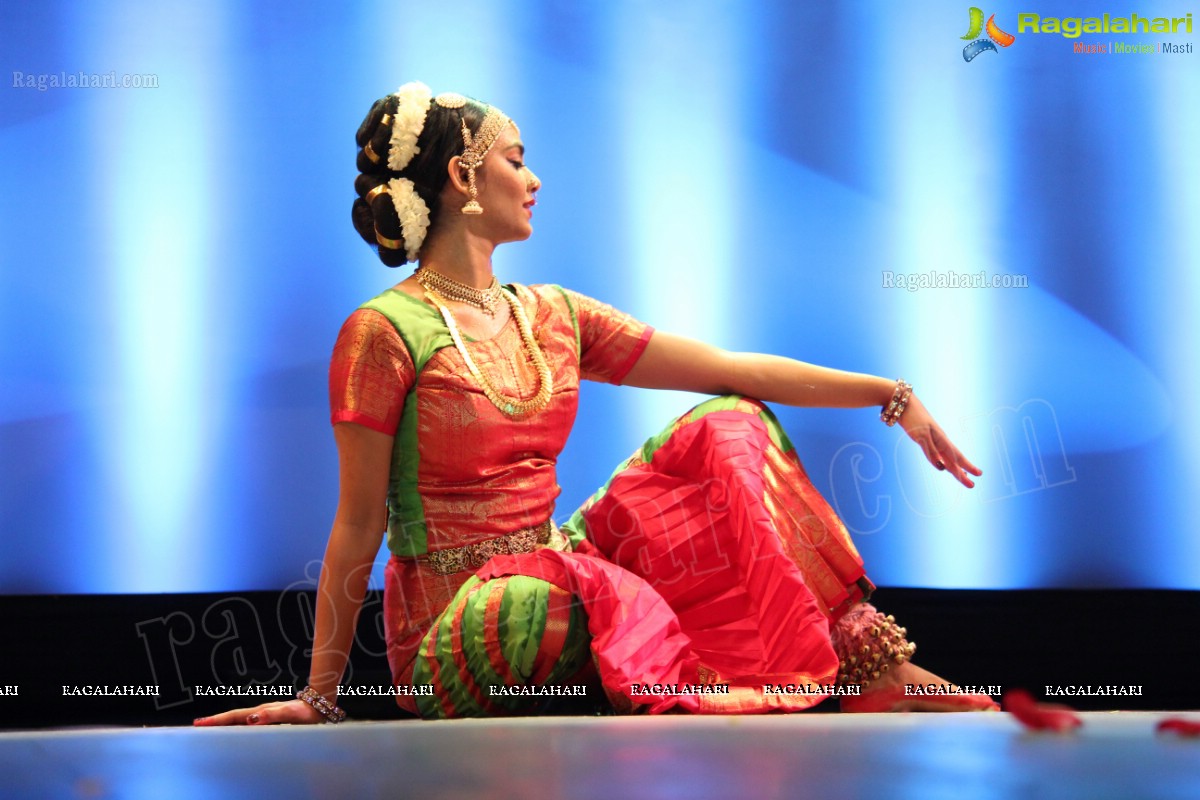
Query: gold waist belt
{"points": [[474, 556]]}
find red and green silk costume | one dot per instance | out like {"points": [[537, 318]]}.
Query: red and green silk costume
{"points": [[707, 558]]}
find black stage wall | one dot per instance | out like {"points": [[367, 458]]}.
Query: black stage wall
{"points": [[59, 650]]}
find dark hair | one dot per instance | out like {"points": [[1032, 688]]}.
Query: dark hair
{"points": [[440, 140]]}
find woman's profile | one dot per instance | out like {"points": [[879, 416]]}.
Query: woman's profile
{"points": [[706, 576]]}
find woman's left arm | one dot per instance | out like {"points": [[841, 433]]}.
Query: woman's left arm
{"points": [[676, 362]]}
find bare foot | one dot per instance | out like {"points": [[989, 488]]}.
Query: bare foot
{"points": [[888, 693]]}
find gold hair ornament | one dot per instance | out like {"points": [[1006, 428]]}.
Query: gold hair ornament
{"points": [[450, 100], [475, 149], [378, 190]]}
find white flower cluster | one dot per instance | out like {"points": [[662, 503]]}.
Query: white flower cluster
{"points": [[407, 123], [413, 214]]}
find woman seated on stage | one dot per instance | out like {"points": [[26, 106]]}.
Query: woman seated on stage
{"points": [[707, 576]]}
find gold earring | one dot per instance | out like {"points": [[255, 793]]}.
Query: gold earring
{"points": [[472, 206], [475, 149]]}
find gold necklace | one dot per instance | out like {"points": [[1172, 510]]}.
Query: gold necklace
{"points": [[486, 300], [509, 406]]}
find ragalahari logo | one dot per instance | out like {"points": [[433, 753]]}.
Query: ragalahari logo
{"points": [[995, 36]]}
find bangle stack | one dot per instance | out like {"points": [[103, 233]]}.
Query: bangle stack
{"points": [[895, 407], [318, 701]]}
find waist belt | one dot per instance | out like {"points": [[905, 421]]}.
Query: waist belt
{"points": [[474, 556]]}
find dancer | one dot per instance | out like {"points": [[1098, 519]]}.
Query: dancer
{"points": [[707, 576]]}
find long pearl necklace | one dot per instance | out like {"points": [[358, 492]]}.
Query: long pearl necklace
{"points": [[510, 406]]}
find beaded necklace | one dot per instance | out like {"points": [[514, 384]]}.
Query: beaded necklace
{"points": [[510, 406]]}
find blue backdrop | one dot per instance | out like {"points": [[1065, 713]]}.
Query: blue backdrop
{"points": [[176, 257]]}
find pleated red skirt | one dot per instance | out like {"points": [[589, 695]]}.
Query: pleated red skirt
{"points": [[709, 568]]}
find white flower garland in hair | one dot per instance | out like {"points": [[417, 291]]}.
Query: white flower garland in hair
{"points": [[413, 214], [407, 123]]}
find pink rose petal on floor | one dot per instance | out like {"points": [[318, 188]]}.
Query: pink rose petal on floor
{"points": [[1179, 726], [1040, 716]]}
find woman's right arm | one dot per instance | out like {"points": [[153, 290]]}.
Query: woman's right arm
{"points": [[364, 459]]}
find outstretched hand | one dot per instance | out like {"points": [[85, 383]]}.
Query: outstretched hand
{"points": [[290, 712], [938, 448]]}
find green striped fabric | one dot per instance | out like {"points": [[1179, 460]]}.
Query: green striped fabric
{"points": [[512, 631]]}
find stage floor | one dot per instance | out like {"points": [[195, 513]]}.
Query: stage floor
{"points": [[983, 755]]}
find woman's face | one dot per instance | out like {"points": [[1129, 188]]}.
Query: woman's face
{"points": [[506, 189]]}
